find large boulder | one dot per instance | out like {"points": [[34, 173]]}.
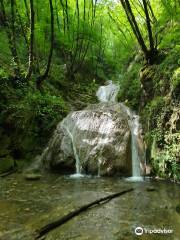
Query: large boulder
{"points": [[98, 139]]}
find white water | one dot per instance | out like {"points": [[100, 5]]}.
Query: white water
{"points": [[135, 131], [108, 94], [78, 166]]}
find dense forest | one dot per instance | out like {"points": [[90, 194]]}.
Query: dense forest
{"points": [[54, 54]]}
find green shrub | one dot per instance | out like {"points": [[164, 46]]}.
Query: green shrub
{"points": [[130, 86], [28, 116], [166, 162]]}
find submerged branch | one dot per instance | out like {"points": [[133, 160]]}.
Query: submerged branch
{"points": [[5, 174], [47, 228]]}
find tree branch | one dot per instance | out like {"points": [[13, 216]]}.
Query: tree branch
{"points": [[47, 228]]}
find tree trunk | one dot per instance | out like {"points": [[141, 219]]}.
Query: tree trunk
{"points": [[41, 78], [132, 20], [14, 48], [152, 51], [27, 10], [57, 15], [22, 28], [31, 44], [10, 31]]}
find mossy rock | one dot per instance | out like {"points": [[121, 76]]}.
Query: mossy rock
{"points": [[6, 164], [147, 73]]}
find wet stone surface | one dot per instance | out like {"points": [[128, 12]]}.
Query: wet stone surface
{"points": [[27, 205]]}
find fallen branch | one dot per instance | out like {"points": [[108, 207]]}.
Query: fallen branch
{"points": [[45, 229], [8, 173]]}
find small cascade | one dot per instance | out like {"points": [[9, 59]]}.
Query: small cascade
{"points": [[78, 166], [108, 93], [135, 132], [99, 167]]}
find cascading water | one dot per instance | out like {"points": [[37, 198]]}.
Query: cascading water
{"points": [[108, 94], [103, 139], [78, 166], [135, 132]]}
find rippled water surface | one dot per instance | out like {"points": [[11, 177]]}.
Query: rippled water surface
{"points": [[27, 205]]}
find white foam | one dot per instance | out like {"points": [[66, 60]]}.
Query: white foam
{"points": [[77, 175], [135, 179]]}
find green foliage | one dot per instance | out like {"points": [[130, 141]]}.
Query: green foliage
{"points": [[29, 116], [175, 80], [165, 162], [35, 106], [130, 88], [162, 136], [152, 110]]}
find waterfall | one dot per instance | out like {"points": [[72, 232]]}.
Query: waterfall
{"points": [[108, 93], [135, 132], [98, 139], [78, 165]]}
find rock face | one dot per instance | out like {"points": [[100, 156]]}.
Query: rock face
{"points": [[96, 140]]}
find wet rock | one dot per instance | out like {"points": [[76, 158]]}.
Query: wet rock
{"points": [[146, 78], [99, 136]]}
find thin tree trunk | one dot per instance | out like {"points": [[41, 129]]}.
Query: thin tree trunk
{"points": [[77, 9], [84, 11], [82, 58], [31, 44], [67, 16], [71, 70], [131, 18], [41, 78], [27, 10], [15, 54], [64, 19], [152, 12], [95, 4], [22, 28], [151, 41], [57, 15], [119, 28], [10, 36]]}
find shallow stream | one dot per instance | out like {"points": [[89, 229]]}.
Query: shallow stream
{"points": [[27, 205]]}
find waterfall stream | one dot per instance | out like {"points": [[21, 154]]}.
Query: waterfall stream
{"points": [[104, 139], [78, 166], [135, 130], [108, 94]]}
